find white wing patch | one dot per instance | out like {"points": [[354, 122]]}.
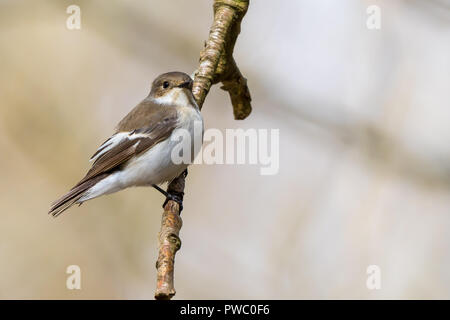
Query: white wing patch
{"points": [[114, 141]]}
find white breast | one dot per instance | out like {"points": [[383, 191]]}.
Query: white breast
{"points": [[156, 166]]}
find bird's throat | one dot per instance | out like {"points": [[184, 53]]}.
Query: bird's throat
{"points": [[179, 97]]}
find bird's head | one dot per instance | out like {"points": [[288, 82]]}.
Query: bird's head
{"points": [[172, 88]]}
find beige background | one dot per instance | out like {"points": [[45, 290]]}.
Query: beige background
{"points": [[364, 151]]}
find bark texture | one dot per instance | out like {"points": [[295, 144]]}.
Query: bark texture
{"points": [[216, 65]]}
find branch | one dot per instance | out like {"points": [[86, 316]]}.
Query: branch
{"points": [[169, 243], [216, 65]]}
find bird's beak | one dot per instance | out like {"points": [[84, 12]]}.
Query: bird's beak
{"points": [[186, 84]]}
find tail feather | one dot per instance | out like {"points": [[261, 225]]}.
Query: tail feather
{"points": [[70, 198]]}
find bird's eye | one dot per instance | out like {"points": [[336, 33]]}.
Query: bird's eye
{"points": [[165, 84]]}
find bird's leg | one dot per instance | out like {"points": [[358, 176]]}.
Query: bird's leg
{"points": [[176, 196], [160, 190]]}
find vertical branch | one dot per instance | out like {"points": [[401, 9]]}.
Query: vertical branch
{"points": [[169, 243], [216, 65]]}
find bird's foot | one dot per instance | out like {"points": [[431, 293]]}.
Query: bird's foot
{"points": [[177, 197], [172, 195]]}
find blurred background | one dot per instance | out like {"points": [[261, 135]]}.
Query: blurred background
{"points": [[364, 179]]}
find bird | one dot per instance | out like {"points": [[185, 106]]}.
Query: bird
{"points": [[139, 152]]}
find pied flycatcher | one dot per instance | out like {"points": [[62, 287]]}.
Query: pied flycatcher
{"points": [[139, 152]]}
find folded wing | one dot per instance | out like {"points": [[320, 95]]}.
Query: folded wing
{"points": [[115, 152]]}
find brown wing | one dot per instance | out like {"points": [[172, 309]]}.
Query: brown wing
{"points": [[144, 127], [133, 142], [143, 114], [140, 116]]}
